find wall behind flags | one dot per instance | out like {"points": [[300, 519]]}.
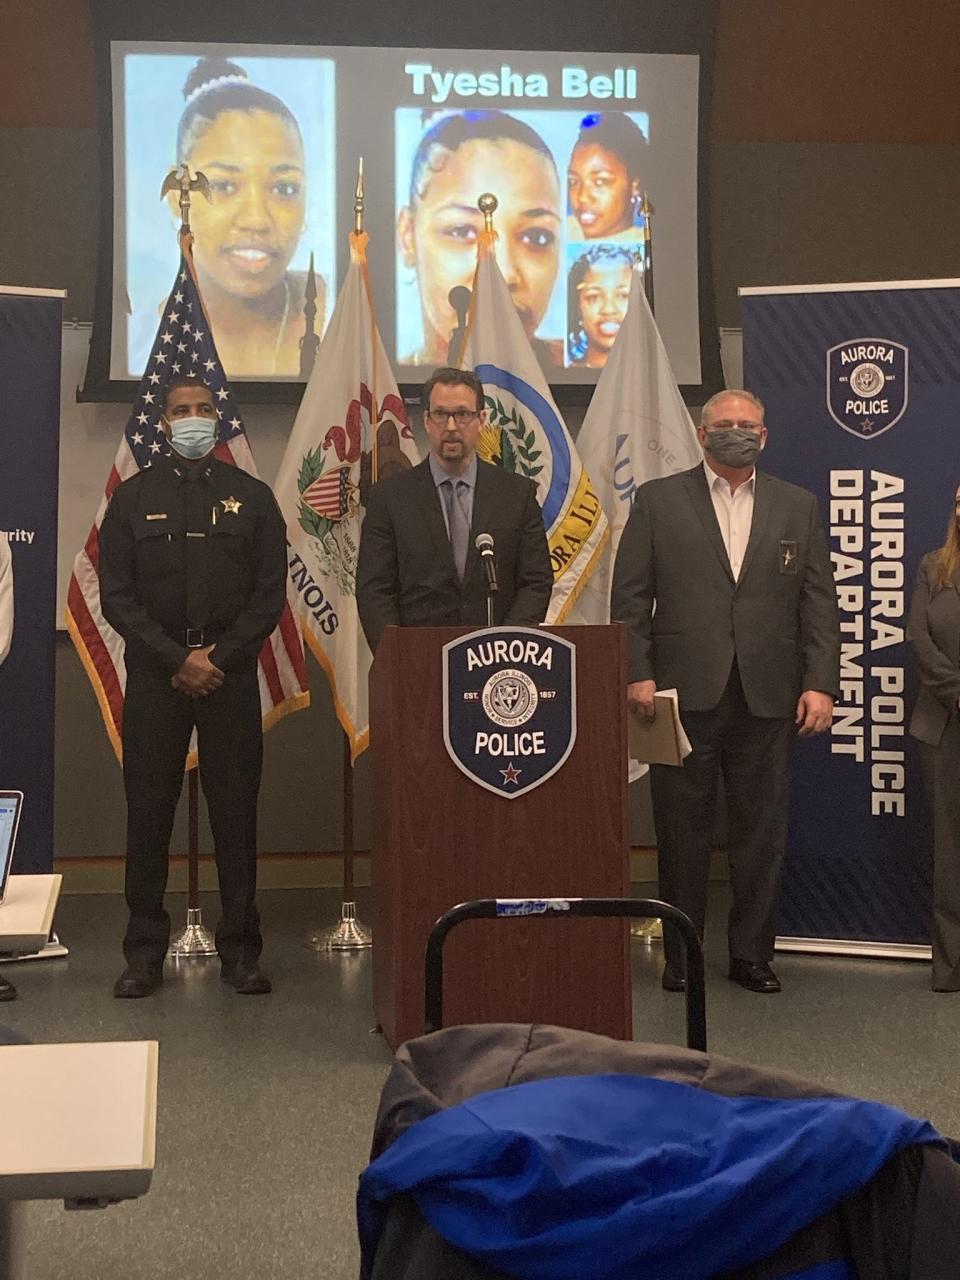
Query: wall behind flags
{"points": [[835, 149]]}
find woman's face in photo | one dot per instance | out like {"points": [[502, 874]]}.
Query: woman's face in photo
{"points": [[600, 191], [247, 234], [439, 233], [604, 296]]}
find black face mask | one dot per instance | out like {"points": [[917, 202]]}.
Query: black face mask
{"points": [[733, 446]]}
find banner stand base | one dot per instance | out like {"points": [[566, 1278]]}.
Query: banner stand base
{"points": [[853, 947], [54, 950]]}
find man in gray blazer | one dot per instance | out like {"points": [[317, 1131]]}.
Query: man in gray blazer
{"points": [[723, 578], [418, 563]]}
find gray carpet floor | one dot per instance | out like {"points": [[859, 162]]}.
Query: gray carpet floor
{"points": [[266, 1105]]}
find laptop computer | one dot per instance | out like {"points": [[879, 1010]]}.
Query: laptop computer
{"points": [[11, 802]]}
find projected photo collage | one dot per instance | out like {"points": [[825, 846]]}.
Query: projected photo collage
{"points": [[277, 132], [570, 193]]}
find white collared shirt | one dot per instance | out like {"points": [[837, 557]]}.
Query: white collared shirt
{"points": [[734, 514]]}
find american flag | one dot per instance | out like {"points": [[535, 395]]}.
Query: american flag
{"points": [[183, 346]]}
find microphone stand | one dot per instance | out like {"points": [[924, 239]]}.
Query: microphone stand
{"points": [[459, 299], [484, 544]]}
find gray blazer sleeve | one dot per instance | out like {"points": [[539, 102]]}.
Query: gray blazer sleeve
{"points": [[6, 598], [819, 616], [634, 589], [939, 673]]}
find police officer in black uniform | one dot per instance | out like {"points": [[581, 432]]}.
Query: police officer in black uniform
{"points": [[193, 577]]}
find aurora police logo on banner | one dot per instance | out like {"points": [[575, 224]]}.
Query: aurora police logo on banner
{"points": [[867, 385], [509, 706]]}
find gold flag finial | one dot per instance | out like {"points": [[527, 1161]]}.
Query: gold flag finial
{"points": [[358, 200], [182, 182], [487, 204]]}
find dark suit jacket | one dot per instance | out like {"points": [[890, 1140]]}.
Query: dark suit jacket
{"points": [[934, 632], [406, 574], [779, 620]]}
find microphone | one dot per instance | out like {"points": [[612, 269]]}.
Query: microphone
{"points": [[484, 544]]}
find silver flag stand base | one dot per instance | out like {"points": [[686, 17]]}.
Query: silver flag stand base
{"points": [[646, 931], [195, 939], [348, 935]]}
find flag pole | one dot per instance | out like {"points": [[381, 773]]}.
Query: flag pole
{"points": [[195, 939], [647, 210], [358, 208], [310, 342], [349, 934]]}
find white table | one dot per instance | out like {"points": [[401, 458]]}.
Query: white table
{"points": [[26, 913], [78, 1124]]}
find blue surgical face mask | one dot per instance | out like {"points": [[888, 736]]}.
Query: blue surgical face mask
{"points": [[193, 437]]}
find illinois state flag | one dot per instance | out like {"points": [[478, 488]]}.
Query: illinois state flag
{"points": [[332, 458], [526, 433], [636, 428]]}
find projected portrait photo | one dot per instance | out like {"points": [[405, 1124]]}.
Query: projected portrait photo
{"points": [[261, 130], [598, 292], [606, 180], [444, 162]]}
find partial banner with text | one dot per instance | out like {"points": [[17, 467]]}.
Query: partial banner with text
{"points": [[30, 330], [861, 384]]}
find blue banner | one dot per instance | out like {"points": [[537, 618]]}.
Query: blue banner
{"points": [[30, 328], [862, 391]]}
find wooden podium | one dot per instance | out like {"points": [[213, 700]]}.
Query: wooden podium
{"points": [[439, 839]]}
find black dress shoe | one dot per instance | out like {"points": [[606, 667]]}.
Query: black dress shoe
{"points": [[246, 979], [7, 990], [673, 979], [754, 976], [134, 984]]}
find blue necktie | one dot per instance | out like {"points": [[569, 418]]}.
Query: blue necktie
{"points": [[457, 523]]}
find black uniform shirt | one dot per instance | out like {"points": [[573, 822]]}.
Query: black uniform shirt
{"points": [[197, 548]]}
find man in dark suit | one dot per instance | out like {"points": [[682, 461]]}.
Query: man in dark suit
{"points": [[723, 577], [418, 564]]}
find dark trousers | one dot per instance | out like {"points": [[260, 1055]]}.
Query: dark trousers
{"points": [[941, 776], [752, 755], [157, 724]]}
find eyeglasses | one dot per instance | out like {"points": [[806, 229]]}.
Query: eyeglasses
{"points": [[462, 417], [726, 424]]}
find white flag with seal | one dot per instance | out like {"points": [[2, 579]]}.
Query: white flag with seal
{"points": [[636, 429], [331, 459], [525, 432]]}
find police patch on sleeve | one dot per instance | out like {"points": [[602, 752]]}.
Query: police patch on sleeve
{"points": [[509, 706]]}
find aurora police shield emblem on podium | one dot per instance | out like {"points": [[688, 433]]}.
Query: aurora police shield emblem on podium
{"points": [[509, 706], [867, 385]]}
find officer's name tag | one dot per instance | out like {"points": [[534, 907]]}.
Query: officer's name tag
{"points": [[788, 556], [156, 515]]}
